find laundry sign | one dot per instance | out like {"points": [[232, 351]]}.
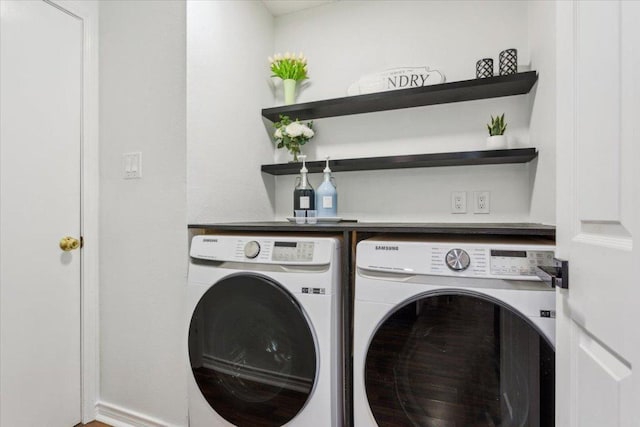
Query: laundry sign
{"points": [[396, 78]]}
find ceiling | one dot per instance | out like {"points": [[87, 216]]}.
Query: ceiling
{"points": [[283, 7]]}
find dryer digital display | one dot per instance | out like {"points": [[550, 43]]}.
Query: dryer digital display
{"points": [[518, 263], [292, 251]]}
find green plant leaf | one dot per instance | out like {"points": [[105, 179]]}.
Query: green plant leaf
{"points": [[497, 126]]}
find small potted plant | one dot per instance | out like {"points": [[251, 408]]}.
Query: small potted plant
{"points": [[292, 134], [291, 69], [497, 140]]}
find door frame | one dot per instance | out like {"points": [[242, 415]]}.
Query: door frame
{"points": [[87, 12]]}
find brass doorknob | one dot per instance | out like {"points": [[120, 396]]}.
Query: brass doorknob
{"points": [[69, 243]]}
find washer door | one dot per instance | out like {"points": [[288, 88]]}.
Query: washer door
{"points": [[252, 351], [459, 359]]}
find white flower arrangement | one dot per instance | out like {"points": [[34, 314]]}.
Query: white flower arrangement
{"points": [[289, 66], [292, 134]]}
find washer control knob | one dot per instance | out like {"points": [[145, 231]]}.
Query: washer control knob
{"points": [[251, 249], [457, 260]]}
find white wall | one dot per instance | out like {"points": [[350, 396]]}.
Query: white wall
{"points": [[227, 84], [345, 40], [143, 222], [542, 44]]}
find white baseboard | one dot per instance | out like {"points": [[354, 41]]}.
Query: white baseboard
{"points": [[118, 416]]}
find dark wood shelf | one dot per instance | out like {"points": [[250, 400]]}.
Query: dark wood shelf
{"points": [[465, 90], [464, 229], [464, 158]]}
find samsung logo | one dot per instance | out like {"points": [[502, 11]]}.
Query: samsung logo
{"points": [[210, 240], [386, 248]]}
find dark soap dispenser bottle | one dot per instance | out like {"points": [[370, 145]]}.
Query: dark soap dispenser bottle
{"points": [[304, 197]]}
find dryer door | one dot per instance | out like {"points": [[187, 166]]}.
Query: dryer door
{"points": [[459, 359], [252, 351]]}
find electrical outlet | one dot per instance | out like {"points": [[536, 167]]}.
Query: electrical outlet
{"points": [[132, 165], [459, 202], [481, 202]]}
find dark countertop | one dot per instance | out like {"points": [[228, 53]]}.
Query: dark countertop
{"points": [[511, 229]]}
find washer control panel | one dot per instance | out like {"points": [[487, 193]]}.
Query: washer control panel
{"points": [[285, 250], [292, 251]]}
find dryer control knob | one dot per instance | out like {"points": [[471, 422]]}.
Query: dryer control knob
{"points": [[457, 260], [252, 249]]}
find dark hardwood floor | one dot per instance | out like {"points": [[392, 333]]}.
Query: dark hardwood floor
{"points": [[247, 403], [93, 424], [438, 368]]}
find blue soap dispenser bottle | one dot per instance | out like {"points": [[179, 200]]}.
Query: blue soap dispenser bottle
{"points": [[327, 195]]}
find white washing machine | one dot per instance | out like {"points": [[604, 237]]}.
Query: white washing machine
{"points": [[453, 333], [264, 331]]}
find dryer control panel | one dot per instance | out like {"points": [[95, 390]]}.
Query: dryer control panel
{"points": [[449, 258], [489, 261], [518, 262]]}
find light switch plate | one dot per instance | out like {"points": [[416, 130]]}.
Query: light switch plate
{"points": [[132, 165]]}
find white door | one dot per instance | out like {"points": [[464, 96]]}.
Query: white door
{"points": [[598, 138], [40, 159]]}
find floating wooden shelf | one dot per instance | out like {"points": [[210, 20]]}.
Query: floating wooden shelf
{"points": [[466, 229], [465, 90], [465, 158]]}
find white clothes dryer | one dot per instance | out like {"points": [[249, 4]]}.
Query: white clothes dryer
{"points": [[453, 333], [264, 343]]}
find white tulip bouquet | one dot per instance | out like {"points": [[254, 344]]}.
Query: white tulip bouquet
{"points": [[292, 134], [289, 66]]}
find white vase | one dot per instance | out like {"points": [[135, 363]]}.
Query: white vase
{"points": [[289, 91], [497, 142]]}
